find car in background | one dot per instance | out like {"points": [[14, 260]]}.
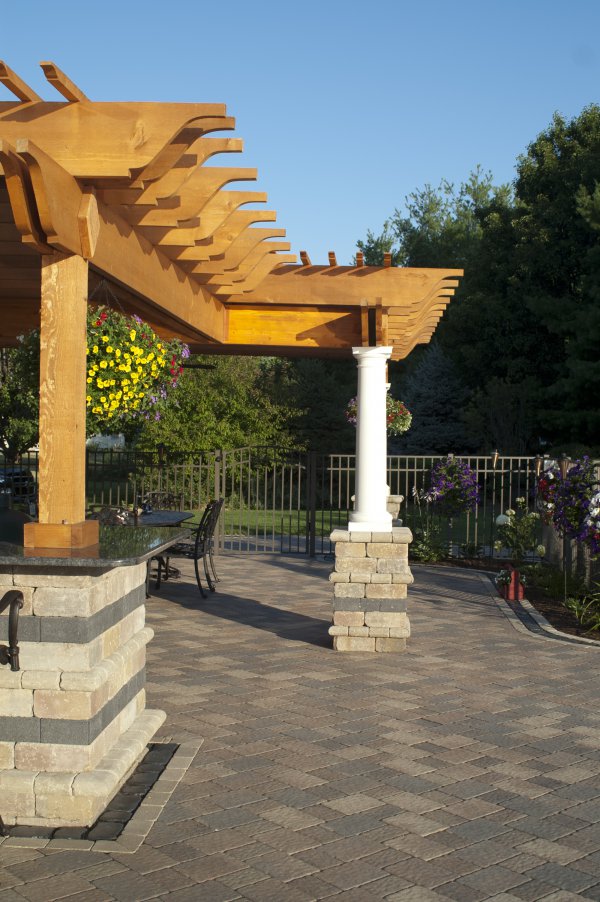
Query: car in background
{"points": [[19, 482]]}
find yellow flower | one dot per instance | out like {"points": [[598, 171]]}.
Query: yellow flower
{"points": [[117, 352], [105, 338], [103, 364], [95, 349], [103, 399], [132, 335], [89, 379]]}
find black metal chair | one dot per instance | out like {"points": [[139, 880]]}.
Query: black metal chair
{"points": [[158, 500], [201, 547], [161, 500]]}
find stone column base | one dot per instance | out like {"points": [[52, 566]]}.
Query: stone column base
{"points": [[370, 578], [73, 723], [76, 798]]}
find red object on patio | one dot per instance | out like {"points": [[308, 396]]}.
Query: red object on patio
{"points": [[514, 590]]}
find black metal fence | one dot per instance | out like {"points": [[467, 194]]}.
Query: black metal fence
{"points": [[281, 501]]}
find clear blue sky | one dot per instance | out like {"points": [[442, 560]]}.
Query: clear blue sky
{"points": [[345, 108]]}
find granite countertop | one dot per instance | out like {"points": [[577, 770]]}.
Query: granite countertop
{"points": [[118, 546]]}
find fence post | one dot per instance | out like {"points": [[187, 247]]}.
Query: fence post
{"points": [[218, 533], [312, 502]]}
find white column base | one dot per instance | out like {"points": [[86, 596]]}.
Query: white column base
{"points": [[363, 523]]}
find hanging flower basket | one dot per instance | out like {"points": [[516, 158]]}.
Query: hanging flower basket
{"points": [[130, 370], [571, 503], [398, 416], [454, 486]]}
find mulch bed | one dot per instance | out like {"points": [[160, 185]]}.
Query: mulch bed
{"points": [[551, 608]]}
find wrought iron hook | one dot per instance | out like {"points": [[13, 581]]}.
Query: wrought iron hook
{"points": [[14, 601]]}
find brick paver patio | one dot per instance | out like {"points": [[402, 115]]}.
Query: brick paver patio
{"points": [[466, 768]]}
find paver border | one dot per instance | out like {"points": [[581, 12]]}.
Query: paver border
{"points": [[510, 611], [138, 827]]}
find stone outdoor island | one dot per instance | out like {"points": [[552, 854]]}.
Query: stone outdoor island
{"points": [[94, 192]]}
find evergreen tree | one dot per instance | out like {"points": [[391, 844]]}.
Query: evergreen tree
{"points": [[436, 397]]}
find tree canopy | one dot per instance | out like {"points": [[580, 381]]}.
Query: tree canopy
{"points": [[523, 331]]}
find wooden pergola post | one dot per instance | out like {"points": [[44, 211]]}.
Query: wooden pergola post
{"points": [[62, 524]]}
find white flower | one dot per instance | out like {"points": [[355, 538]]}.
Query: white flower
{"points": [[540, 551], [510, 512]]}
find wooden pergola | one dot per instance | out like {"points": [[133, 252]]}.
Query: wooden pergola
{"points": [[124, 192]]}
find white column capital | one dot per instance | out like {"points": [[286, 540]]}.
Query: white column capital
{"points": [[372, 356]]}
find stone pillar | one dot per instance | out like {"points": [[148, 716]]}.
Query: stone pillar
{"points": [[370, 580], [370, 512], [73, 722]]}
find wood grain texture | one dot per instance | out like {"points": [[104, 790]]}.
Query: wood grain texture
{"points": [[64, 289], [306, 327], [62, 536]]}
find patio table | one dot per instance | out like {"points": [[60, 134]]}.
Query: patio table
{"points": [[162, 518]]}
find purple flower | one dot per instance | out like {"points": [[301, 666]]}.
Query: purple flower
{"points": [[454, 487], [569, 503]]}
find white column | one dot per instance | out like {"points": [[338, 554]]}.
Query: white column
{"points": [[370, 506]]}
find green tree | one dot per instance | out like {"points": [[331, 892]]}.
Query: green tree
{"points": [[316, 392], [19, 396], [442, 226], [226, 407], [557, 267], [436, 397], [375, 246]]}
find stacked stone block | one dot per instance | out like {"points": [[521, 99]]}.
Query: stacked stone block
{"points": [[393, 505], [73, 722], [370, 579]]}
